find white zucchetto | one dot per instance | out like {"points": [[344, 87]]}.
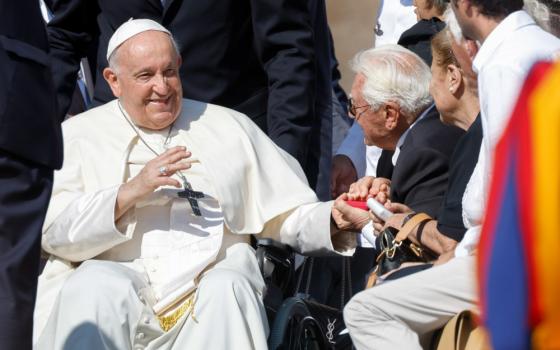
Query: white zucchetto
{"points": [[131, 28]]}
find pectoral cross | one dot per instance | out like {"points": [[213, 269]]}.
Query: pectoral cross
{"points": [[191, 196]]}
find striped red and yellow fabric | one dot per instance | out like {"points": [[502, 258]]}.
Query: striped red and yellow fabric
{"points": [[519, 251]]}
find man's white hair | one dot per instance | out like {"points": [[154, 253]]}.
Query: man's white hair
{"points": [[394, 74]]}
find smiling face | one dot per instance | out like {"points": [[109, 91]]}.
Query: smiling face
{"points": [[146, 79]]}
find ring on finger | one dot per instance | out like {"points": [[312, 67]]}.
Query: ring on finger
{"points": [[163, 170]]}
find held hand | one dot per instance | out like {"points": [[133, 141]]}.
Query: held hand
{"points": [[343, 174], [395, 221], [398, 207], [400, 210], [348, 218], [370, 187], [445, 257]]}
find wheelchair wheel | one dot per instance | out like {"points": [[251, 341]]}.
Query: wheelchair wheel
{"points": [[295, 328]]}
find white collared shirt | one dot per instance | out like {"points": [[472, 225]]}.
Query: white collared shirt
{"points": [[502, 63], [401, 140]]}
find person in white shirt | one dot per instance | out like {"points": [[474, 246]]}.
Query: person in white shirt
{"points": [[511, 43], [150, 217]]}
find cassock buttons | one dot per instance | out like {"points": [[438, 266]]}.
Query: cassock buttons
{"points": [[146, 320], [140, 336]]}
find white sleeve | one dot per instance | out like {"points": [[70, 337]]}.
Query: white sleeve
{"points": [[499, 89], [308, 230], [469, 242], [86, 227], [80, 224], [368, 233], [354, 148]]}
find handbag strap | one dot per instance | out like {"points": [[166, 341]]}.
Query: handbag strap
{"points": [[410, 225], [401, 236]]}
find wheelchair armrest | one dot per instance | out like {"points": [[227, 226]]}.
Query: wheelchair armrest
{"points": [[276, 262], [269, 243]]}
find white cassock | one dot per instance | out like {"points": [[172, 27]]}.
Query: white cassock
{"points": [[104, 279]]}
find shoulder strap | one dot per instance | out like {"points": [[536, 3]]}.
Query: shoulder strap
{"points": [[410, 225]]}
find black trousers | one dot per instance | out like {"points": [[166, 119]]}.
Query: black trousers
{"points": [[25, 189]]}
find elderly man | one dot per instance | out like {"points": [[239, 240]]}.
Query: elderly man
{"points": [[391, 102], [149, 222]]}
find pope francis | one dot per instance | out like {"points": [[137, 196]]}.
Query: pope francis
{"points": [[149, 221]]}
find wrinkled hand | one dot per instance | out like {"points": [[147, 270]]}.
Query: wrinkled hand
{"points": [[343, 174], [445, 257], [150, 178], [396, 220], [348, 218], [370, 187]]}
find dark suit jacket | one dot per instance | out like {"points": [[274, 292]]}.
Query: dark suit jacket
{"points": [[256, 56], [28, 124], [461, 167], [418, 38], [420, 175]]}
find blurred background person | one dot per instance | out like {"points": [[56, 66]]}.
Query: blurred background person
{"points": [[30, 149], [546, 13]]}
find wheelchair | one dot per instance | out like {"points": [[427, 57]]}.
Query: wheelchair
{"points": [[296, 322]]}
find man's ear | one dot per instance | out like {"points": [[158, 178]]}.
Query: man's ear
{"points": [[392, 115], [111, 77]]}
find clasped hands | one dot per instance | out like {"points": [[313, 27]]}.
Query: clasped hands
{"points": [[352, 219]]}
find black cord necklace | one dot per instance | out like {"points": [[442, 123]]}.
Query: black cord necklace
{"points": [[188, 193]]}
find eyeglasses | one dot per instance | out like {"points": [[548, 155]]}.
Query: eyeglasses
{"points": [[353, 108]]}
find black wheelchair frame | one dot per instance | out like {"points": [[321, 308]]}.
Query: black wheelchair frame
{"points": [[295, 321]]}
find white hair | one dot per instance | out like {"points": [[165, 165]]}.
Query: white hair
{"points": [[394, 74], [540, 13], [453, 25], [112, 61]]}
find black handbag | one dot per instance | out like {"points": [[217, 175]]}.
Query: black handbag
{"points": [[304, 324], [395, 249]]}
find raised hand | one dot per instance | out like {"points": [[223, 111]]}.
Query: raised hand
{"points": [[156, 173]]}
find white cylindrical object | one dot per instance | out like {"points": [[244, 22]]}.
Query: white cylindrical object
{"points": [[378, 209]]}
